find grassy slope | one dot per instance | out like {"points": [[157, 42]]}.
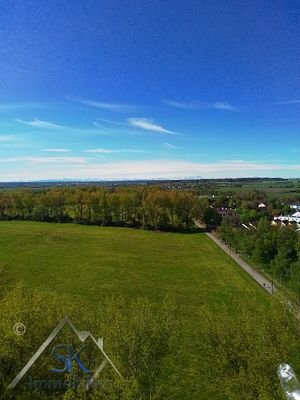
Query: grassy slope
{"points": [[93, 262]]}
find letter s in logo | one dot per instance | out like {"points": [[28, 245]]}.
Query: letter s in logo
{"points": [[59, 357], [67, 361]]}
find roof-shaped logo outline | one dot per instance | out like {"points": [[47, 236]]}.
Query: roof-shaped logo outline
{"points": [[82, 336]]}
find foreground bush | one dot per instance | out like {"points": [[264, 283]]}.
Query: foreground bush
{"points": [[137, 337], [248, 346]]}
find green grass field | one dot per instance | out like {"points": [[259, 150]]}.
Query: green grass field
{"points": [[93, 262], [283, 189]]}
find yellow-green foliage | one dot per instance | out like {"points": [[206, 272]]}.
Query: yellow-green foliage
{"points": [[137, 338], [248, 346]]}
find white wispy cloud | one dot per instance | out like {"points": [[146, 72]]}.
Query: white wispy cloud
{"points": [[107, 124], [171, 146], [97, 125], [19, 106], [36, 123], [7, 138], [109, 121], [194, 105], [115, 151], [45, 160], [223, 106], [288, 102], [117, 107], [40, 124], [57, 150], [189, 105], [117, 127], [149, 125]]}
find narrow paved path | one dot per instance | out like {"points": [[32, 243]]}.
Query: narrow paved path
{"points": [[259, 278]]}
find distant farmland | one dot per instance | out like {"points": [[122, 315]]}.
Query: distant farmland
{"points": [[92, 262]]}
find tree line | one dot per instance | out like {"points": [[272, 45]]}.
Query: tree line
{"points": [[146, 208]]}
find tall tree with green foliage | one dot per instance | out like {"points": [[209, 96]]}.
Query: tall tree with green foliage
{"points": [[247, 347], [286, 241]]}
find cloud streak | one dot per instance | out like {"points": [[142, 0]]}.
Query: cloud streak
{"points": [[109, 151], [116, 107], [109, 121], [45, 160], [192, 105], [288, 102], [223, 106], [6, 107], [171, 146], [47, 125], [149, 125], [37, 123], [56, 150], [7, 138]]}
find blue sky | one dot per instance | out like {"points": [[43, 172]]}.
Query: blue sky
{"points": [[112, 90]]}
